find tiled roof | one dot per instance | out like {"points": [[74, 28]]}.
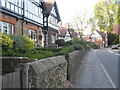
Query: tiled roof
{"points": [[49, 5], [74, 34], [63, 31]]}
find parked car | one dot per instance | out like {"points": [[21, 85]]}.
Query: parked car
{"points": [[114, 46]]}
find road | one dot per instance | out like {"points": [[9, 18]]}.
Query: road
{"points": [[99, 69]]}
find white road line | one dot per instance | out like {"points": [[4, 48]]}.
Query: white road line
{"points": [[110, 51], [118, 54], [113, 52], [113, 85]]}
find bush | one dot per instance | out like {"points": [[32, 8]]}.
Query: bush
{"points": [[66, 50], [22, 42], [76, 40], [29, 43], [78, 47], [93, 45], [68, 43], [60, 42], [6, 41]]}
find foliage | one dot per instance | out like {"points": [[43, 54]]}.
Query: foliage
{"points": [[78, 47], [66, 50], [113, 39], [50, 49], [29, 43], [35, 54], [6, 41], [24, 47], [68, 43], [76, 40], [80, 22], [60, 42], [21, 42], [106, 15]]}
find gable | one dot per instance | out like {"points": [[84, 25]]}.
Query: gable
{"points": [[95, 34], [56, 12], [67, 34]]}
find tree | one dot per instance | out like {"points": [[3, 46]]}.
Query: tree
{"points": [[113, 39], [80, 23], [106, 14]]}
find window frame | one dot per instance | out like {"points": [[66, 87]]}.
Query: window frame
{"points": [[8, 29], [34, 32]]}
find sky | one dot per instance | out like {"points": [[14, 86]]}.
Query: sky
{"points": [[68, 8]]}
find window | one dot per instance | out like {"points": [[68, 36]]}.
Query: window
{"points": [[32, 11], [32, 34], [6, 28], [52, 20]]}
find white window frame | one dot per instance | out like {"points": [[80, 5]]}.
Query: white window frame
{"points": [[34, 32], [8, 29]]}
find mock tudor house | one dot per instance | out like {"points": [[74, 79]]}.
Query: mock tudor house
{"points": [[27, 17], [99, 38], [65, 33]]}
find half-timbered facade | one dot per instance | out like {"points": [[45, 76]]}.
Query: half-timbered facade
{"points": [[25, 17]]}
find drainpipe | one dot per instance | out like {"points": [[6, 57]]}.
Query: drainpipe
{"points": [[23, 17]]}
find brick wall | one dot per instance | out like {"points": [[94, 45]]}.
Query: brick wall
{"points": [[20, 25]]}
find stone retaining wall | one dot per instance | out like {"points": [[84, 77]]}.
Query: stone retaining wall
{"points": [[51, 72], [48, 73], [74, 60]]}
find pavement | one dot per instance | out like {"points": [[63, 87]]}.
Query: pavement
{"points": [[92, 73]]}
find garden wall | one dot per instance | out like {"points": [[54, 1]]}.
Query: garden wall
{"points": [[48, 73], [51, 72], [74, 60]]}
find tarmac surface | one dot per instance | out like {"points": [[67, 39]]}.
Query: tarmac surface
{"points": [[92, 73]]}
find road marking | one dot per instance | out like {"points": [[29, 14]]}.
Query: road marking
{"points": [[113, 52], [113, 85], [110, 51], [118, 54]]}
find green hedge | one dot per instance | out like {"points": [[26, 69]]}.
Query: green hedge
{"points": [[23, 46]]}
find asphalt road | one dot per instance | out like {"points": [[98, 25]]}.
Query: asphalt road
{"points": [[109, 58], [99, 69]]}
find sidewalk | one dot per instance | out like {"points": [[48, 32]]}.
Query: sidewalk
{"points": [[91, 73]]}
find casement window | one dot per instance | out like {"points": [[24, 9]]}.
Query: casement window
{"points": [[33, 12], [14, 5], [32, 34], [52, 20], [6, 28]]}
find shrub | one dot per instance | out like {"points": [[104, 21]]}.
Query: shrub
{"points": [[78, 47], [66, 50], [76, 40], [22, 42], [29, 43], [60, 42], [68, 43], [93, 45], [6, 41]]}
